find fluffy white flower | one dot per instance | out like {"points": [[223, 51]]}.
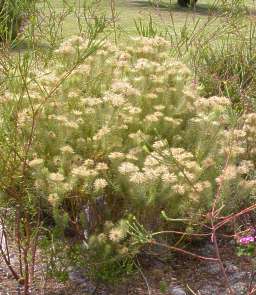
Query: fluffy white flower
{"points": [[116, 234], [83, 171], [91, 101], [35, 163], [56, 177], [160, 144], [67, 149], [127, 168], [100, 184], [138, 178], [101, 133], [116, 100], [152, 118], [169, 178]]}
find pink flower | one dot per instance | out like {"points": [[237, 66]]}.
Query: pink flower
{"points": [[246, 240]]}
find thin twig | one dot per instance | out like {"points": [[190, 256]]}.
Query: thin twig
{"points": [[144, 277], [175, 249]]}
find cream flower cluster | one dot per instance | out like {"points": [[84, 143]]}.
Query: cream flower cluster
{"points": [[126, 123]]}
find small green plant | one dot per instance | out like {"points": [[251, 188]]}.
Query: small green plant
{"points": [[163, 287], [246, 244], [109, 252], [146, 30], [246, 250]]}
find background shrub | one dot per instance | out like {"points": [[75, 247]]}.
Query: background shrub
{"points": [[12, 14]]}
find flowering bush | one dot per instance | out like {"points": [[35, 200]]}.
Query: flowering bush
{"points": [[92, 138]]}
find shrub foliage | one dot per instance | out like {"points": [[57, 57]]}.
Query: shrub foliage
{"points": [[92, 137]]}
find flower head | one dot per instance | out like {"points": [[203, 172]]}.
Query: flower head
{"points": [[35, 163], [67, 149], [56, 177], [127, 168], [246, 240], [116, 234], [100, 184]]}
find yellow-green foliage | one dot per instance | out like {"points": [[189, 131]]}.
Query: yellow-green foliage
{"points": [[11, 17], [125, 125]]}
